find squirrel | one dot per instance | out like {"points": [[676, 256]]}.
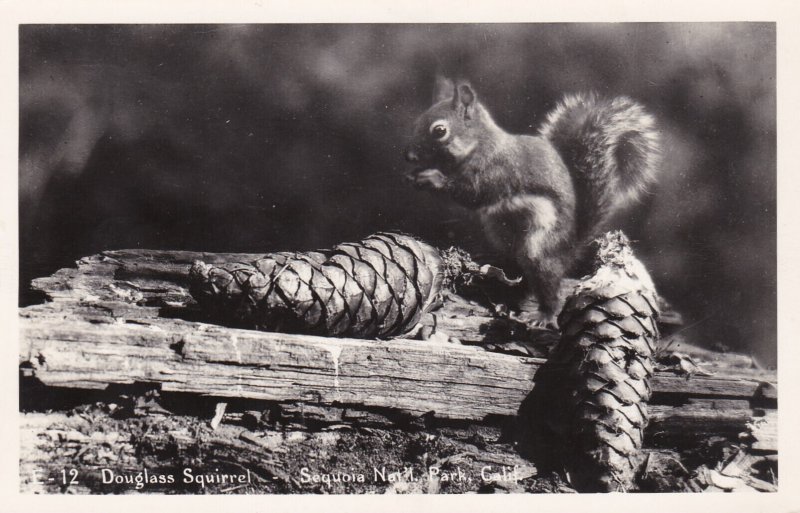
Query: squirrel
{"points": [[540, 198]]}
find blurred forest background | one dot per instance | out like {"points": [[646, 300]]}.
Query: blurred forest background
{"points": [[270, 137]]}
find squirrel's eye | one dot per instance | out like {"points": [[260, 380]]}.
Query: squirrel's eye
{"points": [[439, 131]]}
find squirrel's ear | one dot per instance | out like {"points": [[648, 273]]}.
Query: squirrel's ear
{"points": [[442, 88], [464, 99]]}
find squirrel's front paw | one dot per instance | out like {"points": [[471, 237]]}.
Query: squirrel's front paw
{"points": [[432, 179]]}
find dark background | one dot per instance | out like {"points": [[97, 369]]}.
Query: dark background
{"points": [[268, 137]]}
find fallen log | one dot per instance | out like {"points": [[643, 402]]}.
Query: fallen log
{"points": [[126, 317]]}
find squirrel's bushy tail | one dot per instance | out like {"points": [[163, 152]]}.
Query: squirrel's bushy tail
{"points": [[612, 149]]}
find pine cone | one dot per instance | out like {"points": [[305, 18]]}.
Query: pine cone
{"points": [[378, 287], [608, 338]]}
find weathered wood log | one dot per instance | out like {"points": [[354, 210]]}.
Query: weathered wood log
{"points": [[126, 317]]}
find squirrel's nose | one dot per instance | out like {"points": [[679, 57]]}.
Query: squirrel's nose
{"points": [[411, 155]]}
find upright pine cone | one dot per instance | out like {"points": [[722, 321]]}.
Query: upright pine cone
{"points": [[378, 287], [608, 338]]}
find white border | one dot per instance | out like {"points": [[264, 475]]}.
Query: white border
{"points": [[12, 13]]}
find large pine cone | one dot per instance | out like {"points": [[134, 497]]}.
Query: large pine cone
{"points": [[378, 287], [608, 338]]}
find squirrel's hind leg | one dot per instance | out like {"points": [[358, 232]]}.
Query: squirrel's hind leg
{"points": [[530, 228], [545, 259], [543, 282]]}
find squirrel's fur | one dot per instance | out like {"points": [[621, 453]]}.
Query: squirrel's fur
{"points": [[612, 148], [540, 197]]}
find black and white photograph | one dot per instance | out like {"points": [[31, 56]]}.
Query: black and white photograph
{"points": [[398, 258]]}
